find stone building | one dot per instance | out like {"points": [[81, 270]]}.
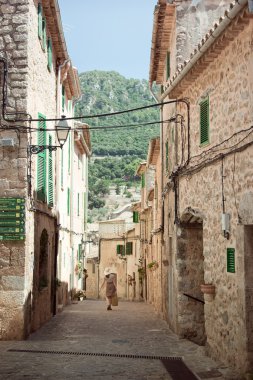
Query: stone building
{"points": [[119, 249], [207, 175], [39, 84], [150, 219]]}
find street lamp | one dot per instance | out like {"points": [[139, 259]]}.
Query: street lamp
{"points": [[62, 131]]}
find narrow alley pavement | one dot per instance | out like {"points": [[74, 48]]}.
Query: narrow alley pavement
{"points": [[131, 329]]}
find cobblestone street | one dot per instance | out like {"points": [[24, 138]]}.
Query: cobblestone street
{"points": [[87, 327]]}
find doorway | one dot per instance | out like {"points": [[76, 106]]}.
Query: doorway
{"points": [[190, 266]]}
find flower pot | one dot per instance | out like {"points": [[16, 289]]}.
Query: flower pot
{"points": [[209, 291], [207, 288]]}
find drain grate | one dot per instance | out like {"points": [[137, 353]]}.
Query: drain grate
{"points": [[178, 370], [127, 356]]}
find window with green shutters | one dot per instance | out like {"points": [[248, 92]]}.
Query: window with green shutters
{"points": [[168, 65], [50, 176], [78, 205], [204, 122], [135, 217], [120, 250], [68, 201], [40, 21], [41, 160], [143, 180], [167, 155], [129, 248], [49, 54]]}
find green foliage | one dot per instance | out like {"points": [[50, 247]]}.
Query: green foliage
{"points": [[118, 151], [107, 92]]}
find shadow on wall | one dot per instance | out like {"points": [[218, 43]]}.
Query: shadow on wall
{"points": [[19, 325]]}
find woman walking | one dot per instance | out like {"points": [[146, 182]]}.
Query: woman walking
{"points": [[111, 287]]}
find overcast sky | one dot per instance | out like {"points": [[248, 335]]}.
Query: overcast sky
{"points": [[109, 35]]}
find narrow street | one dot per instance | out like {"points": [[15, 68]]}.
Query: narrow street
{"points": [[84, 328]]}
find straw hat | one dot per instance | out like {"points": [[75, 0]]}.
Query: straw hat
{"points": [[107, 271]]}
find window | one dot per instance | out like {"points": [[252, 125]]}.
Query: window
{"points": [[129, 248], [135, 217], [68, 201], [168, 65], [50, 176], [79, 258], [204, 121], [41, 161], [40, 21], [120, 249], [78, 204], [49, 54]]}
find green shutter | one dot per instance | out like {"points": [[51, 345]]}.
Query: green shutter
{"points": [[63, 98], [79, 252], [68, 201], [49, 54], [167, 155], [78, 204], [41, 160], [129, 248], [120, 250], [40, 21], [50, 176], [231, 260], [143, 180], [44, 33], [204, 121], [135, 217], [168, 65]]}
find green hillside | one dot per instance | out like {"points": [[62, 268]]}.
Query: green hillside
{"points": [[121, 149], [106, 92]]}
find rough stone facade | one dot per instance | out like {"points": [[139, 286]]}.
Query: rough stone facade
{"points": [[28, 268], [223, 184]]}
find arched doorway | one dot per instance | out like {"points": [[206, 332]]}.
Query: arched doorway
{"points": [[190, 265]]}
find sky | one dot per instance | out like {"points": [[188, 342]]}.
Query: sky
{"points": [[109, 35]]}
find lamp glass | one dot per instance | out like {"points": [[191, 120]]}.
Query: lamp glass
{"points": [[62, 130]]}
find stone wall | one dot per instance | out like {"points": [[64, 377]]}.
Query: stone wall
{"points": [[14, 261], [228, 82]]}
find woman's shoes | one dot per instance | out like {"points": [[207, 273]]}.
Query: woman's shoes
{"points": [[109, 307]]}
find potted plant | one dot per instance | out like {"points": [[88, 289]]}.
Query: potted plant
{"points": [[208, 290], [153, 265], [80, 295]]}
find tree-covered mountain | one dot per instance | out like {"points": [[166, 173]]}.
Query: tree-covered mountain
{"points": [[107, 92], [118, 150]]}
